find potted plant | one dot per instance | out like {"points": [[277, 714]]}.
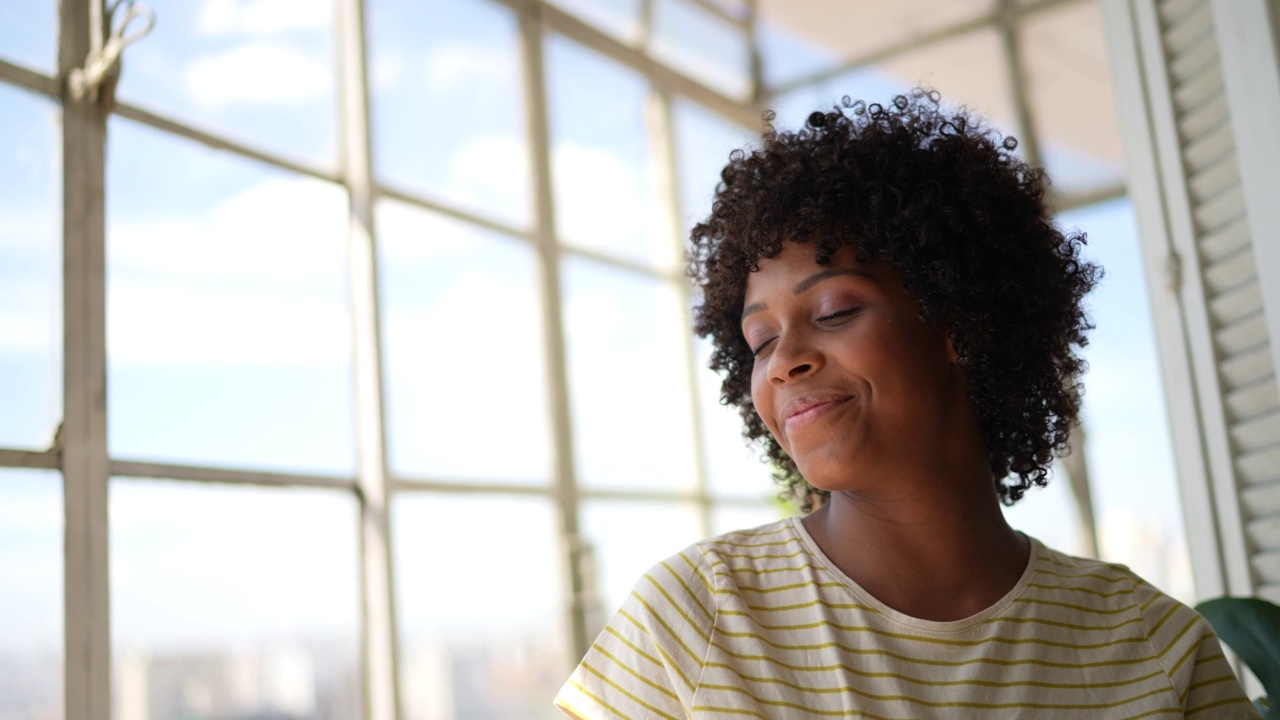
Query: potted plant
{"points": [[1251, 627]]}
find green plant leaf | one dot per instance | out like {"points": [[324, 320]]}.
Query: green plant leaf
{"points": [[1251, 627]]}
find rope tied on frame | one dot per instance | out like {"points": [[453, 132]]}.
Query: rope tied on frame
{"points": [[97, 79]]}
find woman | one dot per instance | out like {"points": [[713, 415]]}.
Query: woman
{"points": [[898, 321]]}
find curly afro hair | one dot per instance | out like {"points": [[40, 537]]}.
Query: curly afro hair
{"points": [[939, 197]]}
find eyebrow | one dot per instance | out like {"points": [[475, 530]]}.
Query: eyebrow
{"points": [[808, 283]]}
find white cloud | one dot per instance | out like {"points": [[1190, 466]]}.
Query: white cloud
{"points": [[264, 17], [457, 66], [259, 279], [256, 74], [388, 68], [492, 171], [607, 203]]}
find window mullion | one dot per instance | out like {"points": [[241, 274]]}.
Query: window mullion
{"points": [[381, 678], [85, 465]]}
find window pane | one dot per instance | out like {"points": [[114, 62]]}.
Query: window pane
{"points": [[605, 192], [463, 350], [448, 104], [620, 18], [233, 602], [628, 537], [852, 30], [703, 143], [1066, 58], [728, 518], [480, 611], [734, 467], [702, 45], [228, 334], [30, 270], [29, 34], [31, 537], [627, 378], [1135, 492], [260, 71]]}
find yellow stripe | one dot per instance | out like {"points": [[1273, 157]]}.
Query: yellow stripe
{"points": [[1220, 703], [801, 606], [1158, 711], [1085, 575], [1178, 637], [923, 661], [603, 704], [933, 704], [1163, 619], [737, 711], [671, 663], [705, 580], [635, 674], [626, 692], [1080, 589], [679, 640], [1055, 623], [688, 590], [748, 556], [932, 683], [780, 588], [766, 571], [672, 601], [1071, 606], [631, 645], [937, 641], [1150, 601], [726, 543]]}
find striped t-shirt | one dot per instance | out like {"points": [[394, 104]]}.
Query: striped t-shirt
{"points": [[761, 624]]}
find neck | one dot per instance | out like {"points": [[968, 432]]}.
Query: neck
{"points": [[938, 548]]}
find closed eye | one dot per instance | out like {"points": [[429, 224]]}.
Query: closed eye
{"points": [[840, 314], [755, 351]]}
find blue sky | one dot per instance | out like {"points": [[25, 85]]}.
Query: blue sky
{"points": [[229, 341]]}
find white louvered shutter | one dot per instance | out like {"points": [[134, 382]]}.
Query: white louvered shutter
{"points": [[1192, 78]]}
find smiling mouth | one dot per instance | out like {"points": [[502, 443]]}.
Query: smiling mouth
{"points": [[807, 411]]}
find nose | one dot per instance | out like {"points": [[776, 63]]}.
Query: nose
{"points": [[793, 358]]}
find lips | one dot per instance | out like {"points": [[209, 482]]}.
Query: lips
{"points": [[807, 409]]}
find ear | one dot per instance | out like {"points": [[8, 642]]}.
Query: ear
{"points": [[952, 356]]}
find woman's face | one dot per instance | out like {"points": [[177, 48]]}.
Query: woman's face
{"points": [[851, 382]]}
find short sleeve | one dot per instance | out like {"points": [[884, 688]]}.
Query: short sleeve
{"points": [[1192, 658], [648, 660]]}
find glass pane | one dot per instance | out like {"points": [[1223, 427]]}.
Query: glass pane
{"points": [[30, 270], [463, 350], [627, 538], [233, 602], [728, 518], [852, 30], [703, 143], [29, 34], [866, 84], [605, 192], [788, 57], [619, 18], [702, 45], [477, 642], [261, 71], [968, 70], [733, 466], [627, 379], [31, 537], [448, 105], [1066, 59], [1051, 515], [1135, 494], [228, 333]]}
